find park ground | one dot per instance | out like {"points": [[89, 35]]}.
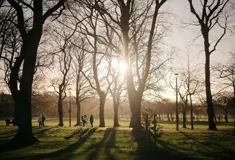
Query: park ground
{"points": [[122, 143]]}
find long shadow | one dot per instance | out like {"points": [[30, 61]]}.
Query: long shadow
{"points": [[96, 148], [76, 132], [107, 142], [7, 145], [34, 129], [111, 144], [8, 132], [204, 144], [43, 130], [65, 153], [151, 147]]}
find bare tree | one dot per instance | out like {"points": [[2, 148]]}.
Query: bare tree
{"points": [[190, 85], [122, 16], [62, 39], [116, 81], [227, 72], [30, 29], [89, 28], [210, 18], [79, 64], [10, 49], [224, 101]]}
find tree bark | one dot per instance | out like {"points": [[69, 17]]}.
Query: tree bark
{"points": [[191, 111], [23, 106], [226, 116], [28, 54], [210, 106], [115, 118], [135, 106], [60, 111], [102, 102], [184, 117], [78, 111]]}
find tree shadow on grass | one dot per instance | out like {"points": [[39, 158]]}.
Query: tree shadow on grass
{"points": [[9, 144], [150, 146], [76, 132], [195, 140], [218, 151], [13, 131], [108, 142], [43, 130], [66, 152]]}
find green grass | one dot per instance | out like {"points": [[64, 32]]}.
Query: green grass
{"points": [[123, 143]]}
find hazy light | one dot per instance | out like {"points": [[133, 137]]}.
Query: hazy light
{"points": [[122, 67]]}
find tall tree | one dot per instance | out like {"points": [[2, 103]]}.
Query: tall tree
{"points": [[208, 19], [130, 17], [189, 86], [79, 64], [90, 29], [116, 79], [30, 29], [63, 37]]}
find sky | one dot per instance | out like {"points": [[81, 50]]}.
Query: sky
{"points": [[182, 37]]}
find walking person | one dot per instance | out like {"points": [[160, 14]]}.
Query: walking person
{"points": [[43, 120], [91, 120], [40, 120]]}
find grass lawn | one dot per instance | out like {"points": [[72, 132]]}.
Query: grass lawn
{"points": [[122, 143]]}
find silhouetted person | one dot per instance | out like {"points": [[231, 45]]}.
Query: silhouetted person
{"points": [[43, 120], [91, 120], [40, 120], [7, 121], [84, 120], [219, 118], [13, 122], [226, 118]]}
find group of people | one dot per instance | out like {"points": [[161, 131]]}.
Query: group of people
{"points": [[84, 120], [41, 120], [225, 118], [8, 121]]}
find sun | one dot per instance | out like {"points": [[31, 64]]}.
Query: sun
{"points": [[122, 67]]}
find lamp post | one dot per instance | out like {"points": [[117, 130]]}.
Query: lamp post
{"points": [[176, 112], [69, 107], [234, 115]]}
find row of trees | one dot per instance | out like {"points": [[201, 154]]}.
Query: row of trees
{"points": [[89, 38]]}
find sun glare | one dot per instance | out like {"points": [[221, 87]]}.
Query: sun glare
{"points": [[122, 67]]}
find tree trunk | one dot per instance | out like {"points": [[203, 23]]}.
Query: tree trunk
{"points": [[78, 112], [226, 116], [210, 107], [78, 98], [168, 116], [102, 102], [115, 118], [135, 106], [184, 117], [23, 106], [191, 111], [60, 112]]}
